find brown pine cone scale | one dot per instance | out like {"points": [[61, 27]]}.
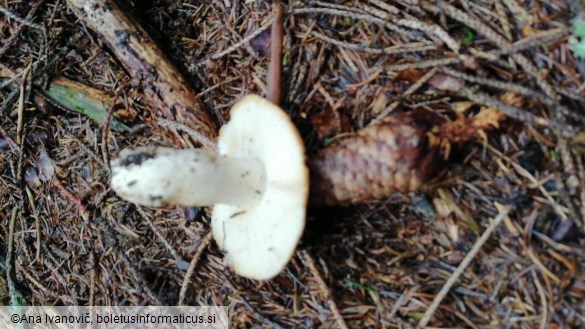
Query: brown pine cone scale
{"points": [[399, 154]]}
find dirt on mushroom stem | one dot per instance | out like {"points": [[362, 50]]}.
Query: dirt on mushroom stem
{"points": [[400, 154]]}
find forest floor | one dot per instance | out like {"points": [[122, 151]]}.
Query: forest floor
{"points": [[67, 239]]}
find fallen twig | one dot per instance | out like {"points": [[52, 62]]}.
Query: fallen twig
{"points": [[138, 277], [542, 295], [72, 198], [106, 124], [194, 261], [504, 210], [393, 50], [21, 99], [35, 215], [12, 291], [429, 29], [244, 40], [411, 90], [24, 22], [516, 113], [166, 90], [35, 282], [158, 234], [498, 40], [132, 270], [192, 132], [308, 260], [275, 69], [243, 300]]}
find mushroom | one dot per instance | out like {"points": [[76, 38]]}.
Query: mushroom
{"points": [[258, 185]]}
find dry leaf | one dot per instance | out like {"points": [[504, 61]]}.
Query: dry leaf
{"points": [[45, 166], [443, 81], [410, 75], [31, 177], [513, 99], [461, 107], [327, 123], [379, 103], [488, 117], [4, 146], [442, 208], [403, 80], [577, 288], [261, 44]]}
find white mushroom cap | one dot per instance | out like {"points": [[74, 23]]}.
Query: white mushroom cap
{"points": [[260, 240], [258, 184]]}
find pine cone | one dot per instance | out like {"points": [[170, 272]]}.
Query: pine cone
{"points": [[395, 155]]}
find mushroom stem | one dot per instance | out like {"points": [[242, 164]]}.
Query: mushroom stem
{"points": [[158, 176]]}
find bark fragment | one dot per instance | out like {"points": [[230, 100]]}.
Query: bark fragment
{"points": [[166, 90]]}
